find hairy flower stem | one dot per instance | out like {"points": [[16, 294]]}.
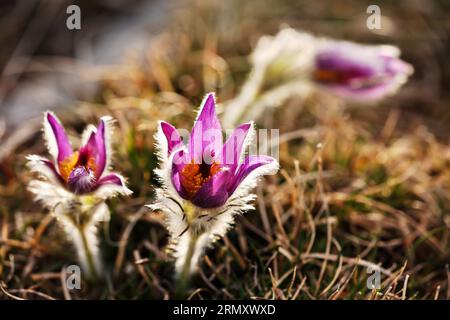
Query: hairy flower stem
{"points": [[91, 270], [186, 271], [80, 223]]}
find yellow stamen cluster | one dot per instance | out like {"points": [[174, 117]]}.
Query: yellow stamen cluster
{"points": [[193, 177], [328, 76], [66, 166]]}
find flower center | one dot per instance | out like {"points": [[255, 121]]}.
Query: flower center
{"points": [[194, 175], [350, 78], [76, 160], [332, 76], [81, 180], [66, 166]]}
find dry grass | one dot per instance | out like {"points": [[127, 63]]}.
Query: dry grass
{"points": [[358, 187]]}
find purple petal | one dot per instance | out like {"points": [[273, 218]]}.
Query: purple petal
{"points": [[94, 151], [179, 159], [232, 148], [52, 167], [172, 136], [88, 153], [213, 192], [360, 72], [339, 60], [46, 167], [101, 156], [206, 136], [176, 182], [111, 178], [250, 164], [62, 142], [392, 76]]}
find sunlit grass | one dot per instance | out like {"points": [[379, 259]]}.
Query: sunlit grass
{"points": [[357, 188]]}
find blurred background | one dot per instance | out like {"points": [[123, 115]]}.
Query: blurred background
{"points": [[142, 61], [44, 64]]}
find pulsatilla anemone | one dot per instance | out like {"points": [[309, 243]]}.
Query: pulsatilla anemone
{"points": [[205, 182], [75, 184], [207, 172], [81, 172]]}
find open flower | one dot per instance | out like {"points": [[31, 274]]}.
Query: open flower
{"points": [[76, 172], [297, 63], [206, 182], [74, 184]]}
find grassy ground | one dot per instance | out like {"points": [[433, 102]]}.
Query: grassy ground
{"points": [[358, 187]]}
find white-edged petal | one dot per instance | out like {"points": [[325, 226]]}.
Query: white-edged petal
{"points": [[109, 130], [90, 128], [109, 190], [37, 164], [49, 193], [49, 136]]}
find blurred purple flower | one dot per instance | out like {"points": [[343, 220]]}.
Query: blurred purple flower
{"points": [[359, 72], [296, 63]]}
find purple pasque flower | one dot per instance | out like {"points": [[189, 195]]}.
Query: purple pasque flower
{"points": [[74, 173], [207, 171], [205, 183], [297, 63], [359, 72]]}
